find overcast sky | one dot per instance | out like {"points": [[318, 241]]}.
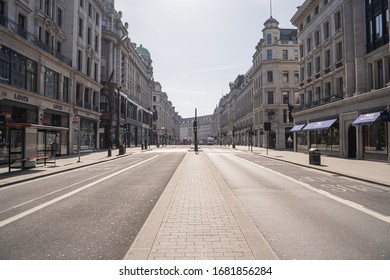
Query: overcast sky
{"points": [[199, 46]]}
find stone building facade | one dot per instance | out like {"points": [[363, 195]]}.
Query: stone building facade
{"points": [[264, 94], [166, 125], [127, 80], [49, 77], [344, 77]]}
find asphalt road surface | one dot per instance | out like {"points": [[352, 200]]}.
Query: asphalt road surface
{"points": [[91, 213], [308, 214]]}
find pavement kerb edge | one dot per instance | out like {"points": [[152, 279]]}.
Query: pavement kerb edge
{"points": [[256, 241], [141, 246]]}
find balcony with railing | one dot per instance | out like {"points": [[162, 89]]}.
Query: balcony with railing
{"points": [[319, 102], [19, 30]]}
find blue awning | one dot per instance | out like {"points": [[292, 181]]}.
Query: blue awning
{"points": [[366, 119], [322, 125], [297, 127]]}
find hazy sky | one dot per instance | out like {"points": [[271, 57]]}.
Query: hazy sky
{"points": [[199, 46]]}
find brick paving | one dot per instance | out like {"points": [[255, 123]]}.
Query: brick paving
{"points": [[199, 221]]}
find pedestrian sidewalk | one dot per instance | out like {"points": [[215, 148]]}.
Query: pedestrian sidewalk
{"points": [[63, 163], [370, 171], [198, 217]]}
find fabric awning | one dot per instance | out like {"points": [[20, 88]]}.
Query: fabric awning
{"points": [[297, 127], [322, 125], [366, 119]]}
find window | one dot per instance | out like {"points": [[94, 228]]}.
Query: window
{"points": [[97, 19], [269, 54], [318, 64], [59, 47], [380, 80], [286, 97], [154, 98], [328, 89], [308, 44], [327, 58], [302, 77], [318, 93], [59, 17], [285, 54], [104, 104], [270, 96], [285, 76], [339, 51], [65, 90], [296, 77], [301, 51], [89, 9], [18, 70], [296, 55], [46, 7], [97, 44], [270, 76], [81, 3], [309, 97], [316, 10], [47, 38], [340, 85], [89, 34], [378, 27], [88, 66], [326, 30], [338, 21], [31, 73], [269, 39], [22, 22], [317, 38], [51, 84], [81, 23], [309, 69], [79, 60], [96, 72]]}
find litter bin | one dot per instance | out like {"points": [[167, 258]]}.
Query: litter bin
{"points": [[315, 156], [122, 150]]}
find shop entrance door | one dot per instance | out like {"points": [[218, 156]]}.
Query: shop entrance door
{"points": [[352, 142]]}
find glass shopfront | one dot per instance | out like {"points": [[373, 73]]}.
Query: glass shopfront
{"points": [[375, 140], [327, 141], [88, 135]]}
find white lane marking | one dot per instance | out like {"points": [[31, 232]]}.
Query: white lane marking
{"points": [[50, 202], [349, 203]]}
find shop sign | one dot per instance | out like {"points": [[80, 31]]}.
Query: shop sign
{"points": [[57, 107], [21, 97]]}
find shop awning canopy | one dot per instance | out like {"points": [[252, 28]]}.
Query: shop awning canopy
{"points": [[322, 125], [297, 127], [366, 119]]}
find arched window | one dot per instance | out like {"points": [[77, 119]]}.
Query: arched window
{"points": [[269, 39]]}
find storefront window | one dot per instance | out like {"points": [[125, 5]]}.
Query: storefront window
{"points": [[87, 135], [301, 140], [374, 138], [328, 141]]}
